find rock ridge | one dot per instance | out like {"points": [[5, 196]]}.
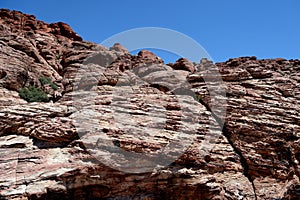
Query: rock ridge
{"points": [[137, 106]]}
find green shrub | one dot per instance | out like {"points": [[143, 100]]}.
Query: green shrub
{"points": [[198, 97], [47, 80], [33, 94]]}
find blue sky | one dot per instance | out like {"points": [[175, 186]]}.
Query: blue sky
{"points": [[226, 29]]}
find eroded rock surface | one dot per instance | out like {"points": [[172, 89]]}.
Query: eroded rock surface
{"points": [[108, 129]]}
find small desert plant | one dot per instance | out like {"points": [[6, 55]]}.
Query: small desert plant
{"points": [[198, 97], [47, 80], [33, 94]]}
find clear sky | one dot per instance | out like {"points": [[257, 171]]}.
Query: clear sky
{"points": [[225, 28]]}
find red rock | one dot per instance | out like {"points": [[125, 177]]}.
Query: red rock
{"points": [[144, 54], [280, 60], [66, 31], [118, 47], [255, 156], [20, 22], [183, 64]]}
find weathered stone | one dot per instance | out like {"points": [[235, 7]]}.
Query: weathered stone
{"points": [[183, 64], [110, 104], [147, 55], [118, 47]]}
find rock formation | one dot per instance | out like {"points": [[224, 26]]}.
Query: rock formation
{"points": [[99, 134]]}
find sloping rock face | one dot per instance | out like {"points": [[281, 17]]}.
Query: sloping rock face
{"points": [[108, 130]]}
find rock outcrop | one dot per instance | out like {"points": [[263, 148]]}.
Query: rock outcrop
{"points": [[183, 64], [121, 126]]}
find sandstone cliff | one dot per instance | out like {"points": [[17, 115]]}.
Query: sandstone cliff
{"points": [[48, 149]]}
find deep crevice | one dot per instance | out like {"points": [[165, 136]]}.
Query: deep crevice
{"points": [[291, 160], [226, 133]]}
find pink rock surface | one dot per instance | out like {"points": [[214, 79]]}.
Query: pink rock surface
{"points": [[45, 147]]}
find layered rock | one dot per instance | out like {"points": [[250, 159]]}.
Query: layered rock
{"points": [[261, 123], [110, 132], [183, 64]]}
